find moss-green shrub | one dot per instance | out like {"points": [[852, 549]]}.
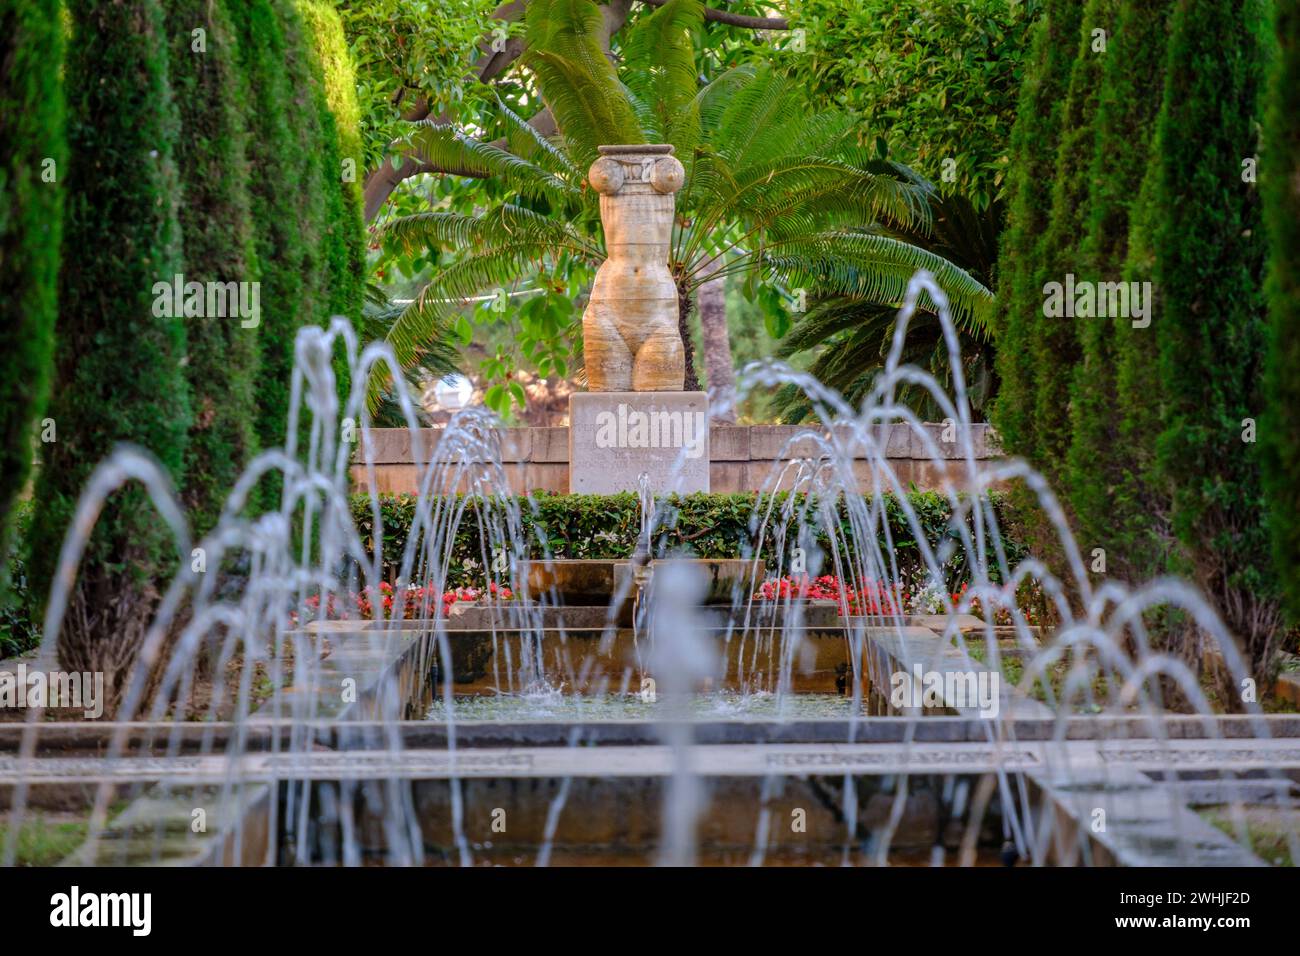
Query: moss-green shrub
{"points": [[118, 371], [340, 127], [343, 233], [706, 525], [308, 235], [217, 232], [31, 221]]}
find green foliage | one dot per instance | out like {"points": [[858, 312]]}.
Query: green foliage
{"points": [[936, 82], [705, 525], [339, 77], [1034, 140], [31, 222], [334, 87], [283, 183], [775, 192], [1211, 330], [307, 219], [317, 143], [412, 51], [41, 841], [1142, 506], [577, 78], [1054, 341], [851, 336], [1105, 498], [1280, 182], [118, 365], [217, 230], [20, 630]]}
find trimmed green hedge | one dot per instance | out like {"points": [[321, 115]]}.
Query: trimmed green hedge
{"points": [[706, 525], [336, 90], [284, 187], [20, 630], [343, 231], [31, 218]]}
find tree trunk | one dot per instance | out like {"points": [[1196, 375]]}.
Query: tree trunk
{"points": [[712, 300], [381, 182], [684, 307]]}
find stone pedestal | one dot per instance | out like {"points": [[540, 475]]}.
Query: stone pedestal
{"points": [[616, 436]]}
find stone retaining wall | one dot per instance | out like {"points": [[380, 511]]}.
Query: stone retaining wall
{"points": [[742, 457]]}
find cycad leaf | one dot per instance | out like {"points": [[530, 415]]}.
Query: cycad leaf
{"points": [[576, 78], [661, 50]]}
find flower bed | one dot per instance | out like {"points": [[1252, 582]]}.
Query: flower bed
{"points": [[875, 598], [377, 603]]}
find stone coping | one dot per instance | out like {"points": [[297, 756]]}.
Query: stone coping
{"points": [[742, 458], [1071, 766], [261, 733], [727, 443]]}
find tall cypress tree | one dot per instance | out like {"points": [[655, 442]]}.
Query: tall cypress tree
{"points": [[217, 233], [1211, 327], [33, 161], [340, 119], [1280, 182], [1099, 462], [284, 182], [1054, 341], [334, 86], [1021, 271], [118, 373], [308, 234]]}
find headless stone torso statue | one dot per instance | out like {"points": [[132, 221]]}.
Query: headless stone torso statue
{"points": [[636, 420], [630, 335]]}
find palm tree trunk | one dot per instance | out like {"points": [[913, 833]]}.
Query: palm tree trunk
{"points": [[712, 301], [684, 307]]}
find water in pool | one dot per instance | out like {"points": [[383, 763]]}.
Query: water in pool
{"points": [[720, 705]]}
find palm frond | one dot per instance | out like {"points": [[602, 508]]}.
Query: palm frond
{"points": [[503, 223], [498, 247], [436, 354], [761, 119], [525, 141], [662, 45], [854, 337], [876, 268], [426, 321], [802, 194], [446, 147], [577, 80]]}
